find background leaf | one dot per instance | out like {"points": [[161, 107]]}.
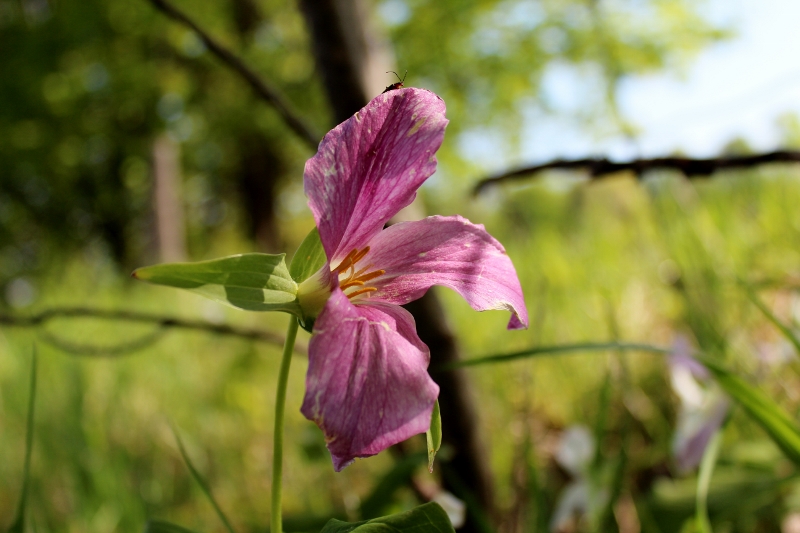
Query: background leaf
{"points": [[256, 282], [429, 517], [159, 526]]}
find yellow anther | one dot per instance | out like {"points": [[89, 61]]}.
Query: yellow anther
{"points": [[362, 291], [350, 278], [371, 275], [347, 262], [360, 255], [348, 284]]}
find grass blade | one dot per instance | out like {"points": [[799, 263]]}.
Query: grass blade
{"points": [[704, 481], [558, 349], [781, 427], [18, 525], [203, 485], [788, 333]]}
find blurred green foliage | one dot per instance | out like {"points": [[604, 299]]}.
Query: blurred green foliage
{"points": [[87, 88], [90, 85]]}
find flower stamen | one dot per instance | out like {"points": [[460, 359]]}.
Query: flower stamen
{"points": [[361, 291], [360, 255], [347, 262], [350, 283], [372, 275], [352, 278]]}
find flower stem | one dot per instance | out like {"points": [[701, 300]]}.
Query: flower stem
{"points": [[277, 446]]}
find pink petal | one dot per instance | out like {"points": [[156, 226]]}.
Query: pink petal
{"points": [[370, 166], [367, 385], [449, 251]]}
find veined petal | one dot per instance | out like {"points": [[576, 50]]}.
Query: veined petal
{"points": [[370, 166], [449, 251], [367, 385]]}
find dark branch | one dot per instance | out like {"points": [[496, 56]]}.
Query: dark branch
{"points": [[600, 167], [264, 90], [131, 316]]}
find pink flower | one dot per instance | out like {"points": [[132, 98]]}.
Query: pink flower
{"points": [[367, 385]]}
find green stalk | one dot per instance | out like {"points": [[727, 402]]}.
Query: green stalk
{"points": [[277, 447], [704, 481]]}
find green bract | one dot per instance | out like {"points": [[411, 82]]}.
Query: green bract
{"points": [[434, 435], [313, 291], [308, 258]]}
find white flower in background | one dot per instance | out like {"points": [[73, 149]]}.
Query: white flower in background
{"points": [[581, 498], [703, 406], [456, 509]]}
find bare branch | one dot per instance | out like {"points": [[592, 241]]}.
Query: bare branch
{"points": [[40, 319], [97, 350], [263, 89], [600, 167]]}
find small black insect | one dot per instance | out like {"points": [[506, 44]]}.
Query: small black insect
{"points": [[397, 85]]}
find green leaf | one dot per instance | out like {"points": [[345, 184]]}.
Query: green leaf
{"points": [[781, 427], [429, 517], [308, 258], [18, 525], [159, 526], [434, 435], [256, 282]]}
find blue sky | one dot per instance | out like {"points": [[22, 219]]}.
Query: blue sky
{"points": [[737, 88]]}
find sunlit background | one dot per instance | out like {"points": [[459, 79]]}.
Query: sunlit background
{"points": [[125, 142]]}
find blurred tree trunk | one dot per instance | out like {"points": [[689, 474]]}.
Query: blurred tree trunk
{"points": [[168, 207], [349, 55], [261, 165], [247, 16], [110, 205], [258, 176], [351, 58]]}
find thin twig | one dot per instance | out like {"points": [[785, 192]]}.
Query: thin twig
{"points": [[97, 350], [262, 88], [601, 167], [132, 316]]}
